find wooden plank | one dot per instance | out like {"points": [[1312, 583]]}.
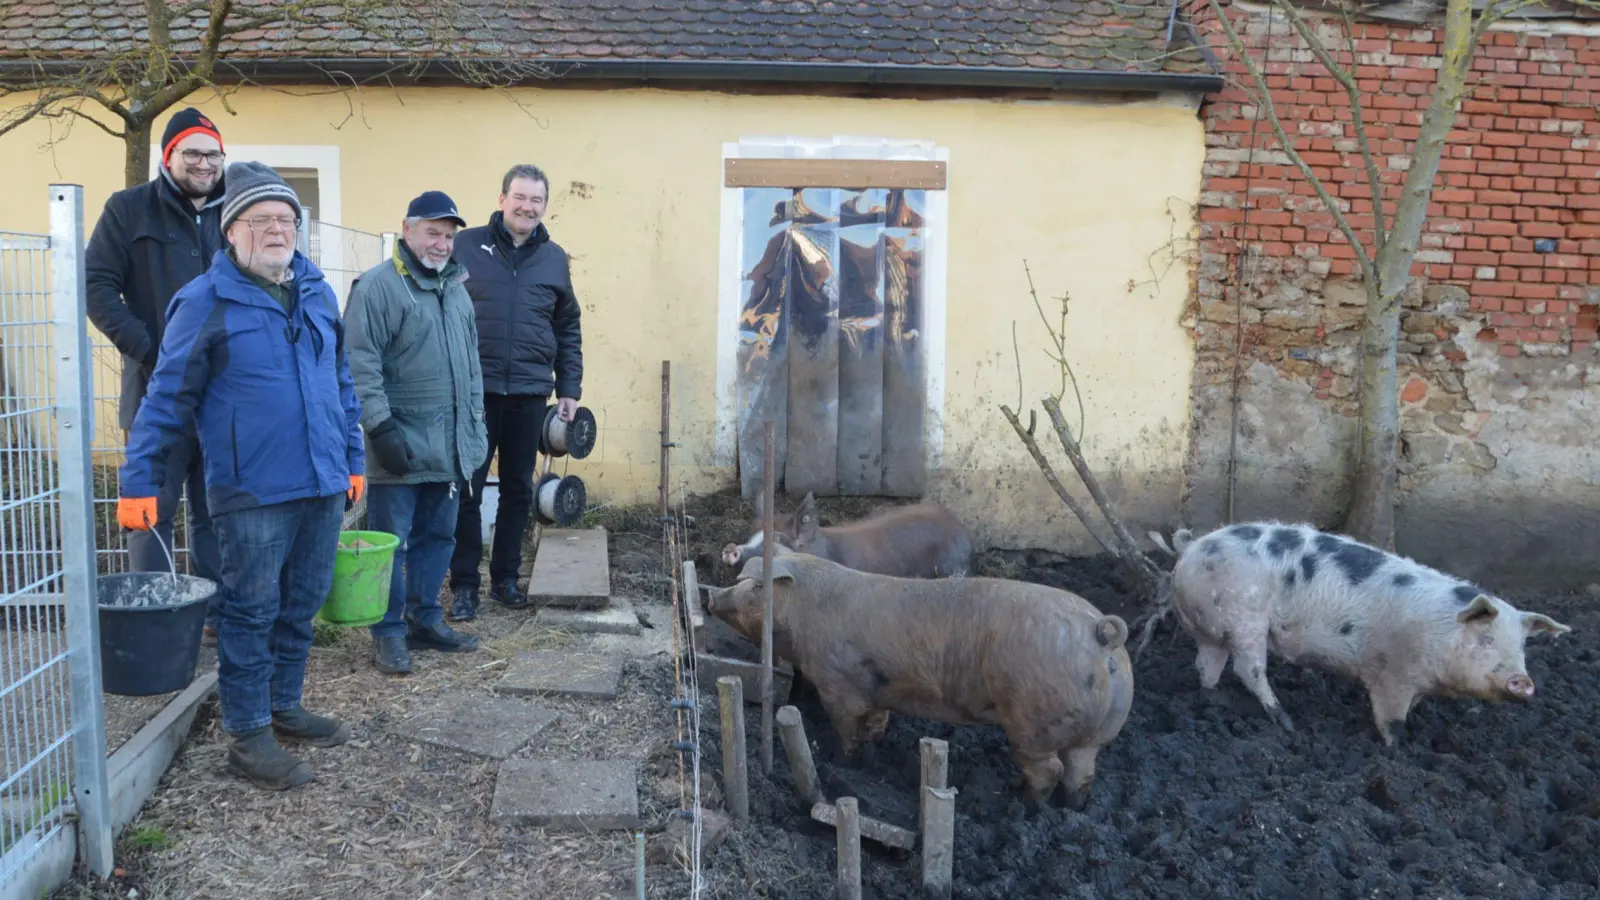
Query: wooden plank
{"points": [[904, 370], [860, 457], [873, 829], [572, 569], [812, 303], [835, 173]]}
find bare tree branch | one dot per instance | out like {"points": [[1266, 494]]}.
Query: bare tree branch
{"points": [[1264, 101]]}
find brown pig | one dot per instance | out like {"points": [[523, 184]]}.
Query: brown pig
{"points": [[1041, 663], [920, 541]]}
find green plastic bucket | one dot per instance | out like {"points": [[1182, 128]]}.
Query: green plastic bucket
{"points": [[361, 575]]}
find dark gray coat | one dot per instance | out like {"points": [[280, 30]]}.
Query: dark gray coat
{"points": [[413, 347]]}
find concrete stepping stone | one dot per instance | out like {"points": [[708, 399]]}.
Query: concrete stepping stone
{"points": [[572, 569], [618, 618], [567, 795], [563, 673], [485, 725]]}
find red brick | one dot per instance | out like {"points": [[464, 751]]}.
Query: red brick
{"points": [[1528, 291], [1492, 289], [1541, 230]]}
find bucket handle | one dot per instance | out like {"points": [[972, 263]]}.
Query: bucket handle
{"points": [[170, 564]]}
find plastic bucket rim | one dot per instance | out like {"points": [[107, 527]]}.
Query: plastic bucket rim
{"points": [[390, 542], [153, 607]]}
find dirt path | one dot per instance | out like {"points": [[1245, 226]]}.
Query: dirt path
{"points": [[389, 817]]}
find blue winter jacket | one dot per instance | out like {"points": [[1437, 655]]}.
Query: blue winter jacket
{"points": [[269, 392]]}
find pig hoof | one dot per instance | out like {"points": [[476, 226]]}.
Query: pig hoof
{"points": [[1393, 732], [1066, 798], [1282, 718]]}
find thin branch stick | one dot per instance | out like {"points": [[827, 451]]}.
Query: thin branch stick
{"points": [[1128, 550], [1055, 482], [1264, 101]]}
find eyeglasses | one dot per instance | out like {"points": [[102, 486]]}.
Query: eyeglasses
{"points": [[193, 157], [262, 223]]}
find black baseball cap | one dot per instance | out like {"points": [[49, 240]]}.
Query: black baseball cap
{"points": [[434, 205]]}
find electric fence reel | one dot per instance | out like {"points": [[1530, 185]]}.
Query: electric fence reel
{"points": [[561, 499]]}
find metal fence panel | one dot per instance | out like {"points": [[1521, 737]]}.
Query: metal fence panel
{"points": [[341, 253], [52, 733]]}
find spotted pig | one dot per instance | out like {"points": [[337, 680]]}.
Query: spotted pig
{"points": [[1331, 603]]}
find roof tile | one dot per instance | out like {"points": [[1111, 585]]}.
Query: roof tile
{"points": [[1123, 35]]}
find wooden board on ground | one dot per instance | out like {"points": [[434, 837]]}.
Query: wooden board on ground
{"points": [[572, 569], [882, 832]]}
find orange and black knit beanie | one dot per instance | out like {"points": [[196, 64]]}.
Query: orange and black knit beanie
{"points": [[182, 124]]}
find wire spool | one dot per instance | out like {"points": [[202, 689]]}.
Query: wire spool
{"points": [[575, 438], [559, 500]]}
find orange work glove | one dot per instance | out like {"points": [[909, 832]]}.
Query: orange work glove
{"points": [[136, 513], [358, 486]]}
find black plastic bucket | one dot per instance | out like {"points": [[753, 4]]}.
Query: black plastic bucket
{"points": [[150, 628]]}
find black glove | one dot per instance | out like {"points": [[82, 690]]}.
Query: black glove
{"points": [[389, 445]]}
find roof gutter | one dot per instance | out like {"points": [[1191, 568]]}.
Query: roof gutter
{"points": [[301, 69]]}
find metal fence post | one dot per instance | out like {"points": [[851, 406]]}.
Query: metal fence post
{"points": [[74, 403]]}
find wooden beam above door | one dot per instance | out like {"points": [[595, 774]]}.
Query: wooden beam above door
{"points": [[835, 173]]}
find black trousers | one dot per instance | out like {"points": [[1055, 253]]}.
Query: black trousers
{"points": [[513, 422]]}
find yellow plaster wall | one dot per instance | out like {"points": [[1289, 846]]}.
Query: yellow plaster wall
{"points": [[1095, 196]]}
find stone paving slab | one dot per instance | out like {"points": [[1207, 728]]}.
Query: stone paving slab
{"points": [[618, 618], [563, 672], [567, 795], [572, 569], [485, 725]]}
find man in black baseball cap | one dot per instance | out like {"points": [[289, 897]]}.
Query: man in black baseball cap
{"points": [[413, 347]]}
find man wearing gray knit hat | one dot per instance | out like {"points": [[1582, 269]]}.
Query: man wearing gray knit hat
{"points": [[254, 358]]}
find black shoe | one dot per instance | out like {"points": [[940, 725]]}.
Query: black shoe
{"points": [[511, 596], [258, 757], [318, 731], [464, 604], [390, 656], [440, 637]]}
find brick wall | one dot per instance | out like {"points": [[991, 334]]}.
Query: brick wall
{"points": [[1507, 257]]}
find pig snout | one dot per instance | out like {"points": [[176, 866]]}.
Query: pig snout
{"points": [[1520, 686], [732, 555]]}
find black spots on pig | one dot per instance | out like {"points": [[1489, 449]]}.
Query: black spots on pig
{"points": [[1466, 593], [1327, 544], [1090, 682], [1289, 577], [1211, 547], [1245, 532], [1404, 579], [1283, 542], [1358, 561], [875, 680], [1347, 627], [1308, 567]]}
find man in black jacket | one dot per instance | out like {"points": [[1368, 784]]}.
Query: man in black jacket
{"points": [[530, 345], [150, 241]]}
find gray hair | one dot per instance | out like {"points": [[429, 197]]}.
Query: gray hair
{"points": [[524, 170]]}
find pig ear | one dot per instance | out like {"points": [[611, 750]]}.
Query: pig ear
{"points": [[785, 568], [1480, 611], [1534, 623]]}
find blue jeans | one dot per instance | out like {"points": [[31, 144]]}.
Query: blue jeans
{"points": [[277, 568], [423, 517], [185, 471]]}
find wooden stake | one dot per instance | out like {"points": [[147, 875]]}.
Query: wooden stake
{"points": [[849, 835], [938, 838], [735, 778], [793, 732], [769, 479], [666, 429], [935, 774], [691, 605]]}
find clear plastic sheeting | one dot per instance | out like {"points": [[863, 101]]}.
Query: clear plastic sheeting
{"points": [[830, 345]]}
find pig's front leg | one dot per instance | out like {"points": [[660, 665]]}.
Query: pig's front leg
{"points": [[848, 715], [1078, 782], [876, 723], [1040, 775], [1391, 703]]}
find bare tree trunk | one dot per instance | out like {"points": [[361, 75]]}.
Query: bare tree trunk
{"points": [[1371, 516], [136, 153]]}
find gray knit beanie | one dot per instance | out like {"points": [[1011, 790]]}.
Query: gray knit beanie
{"points": [[249, 183]]}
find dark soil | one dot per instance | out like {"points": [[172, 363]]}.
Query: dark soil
{"points": [[1201, 796]]}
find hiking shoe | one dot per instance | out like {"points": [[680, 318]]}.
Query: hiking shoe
{"points": [[258, 757], [318, 731], [440, 637], [390, 656], [511, 596], [464, 604]]}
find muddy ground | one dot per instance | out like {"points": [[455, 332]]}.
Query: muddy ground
{"points": [[1201, 796]]}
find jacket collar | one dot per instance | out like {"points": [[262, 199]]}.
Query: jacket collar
{"points": [[231, 283], [502, 236]]}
